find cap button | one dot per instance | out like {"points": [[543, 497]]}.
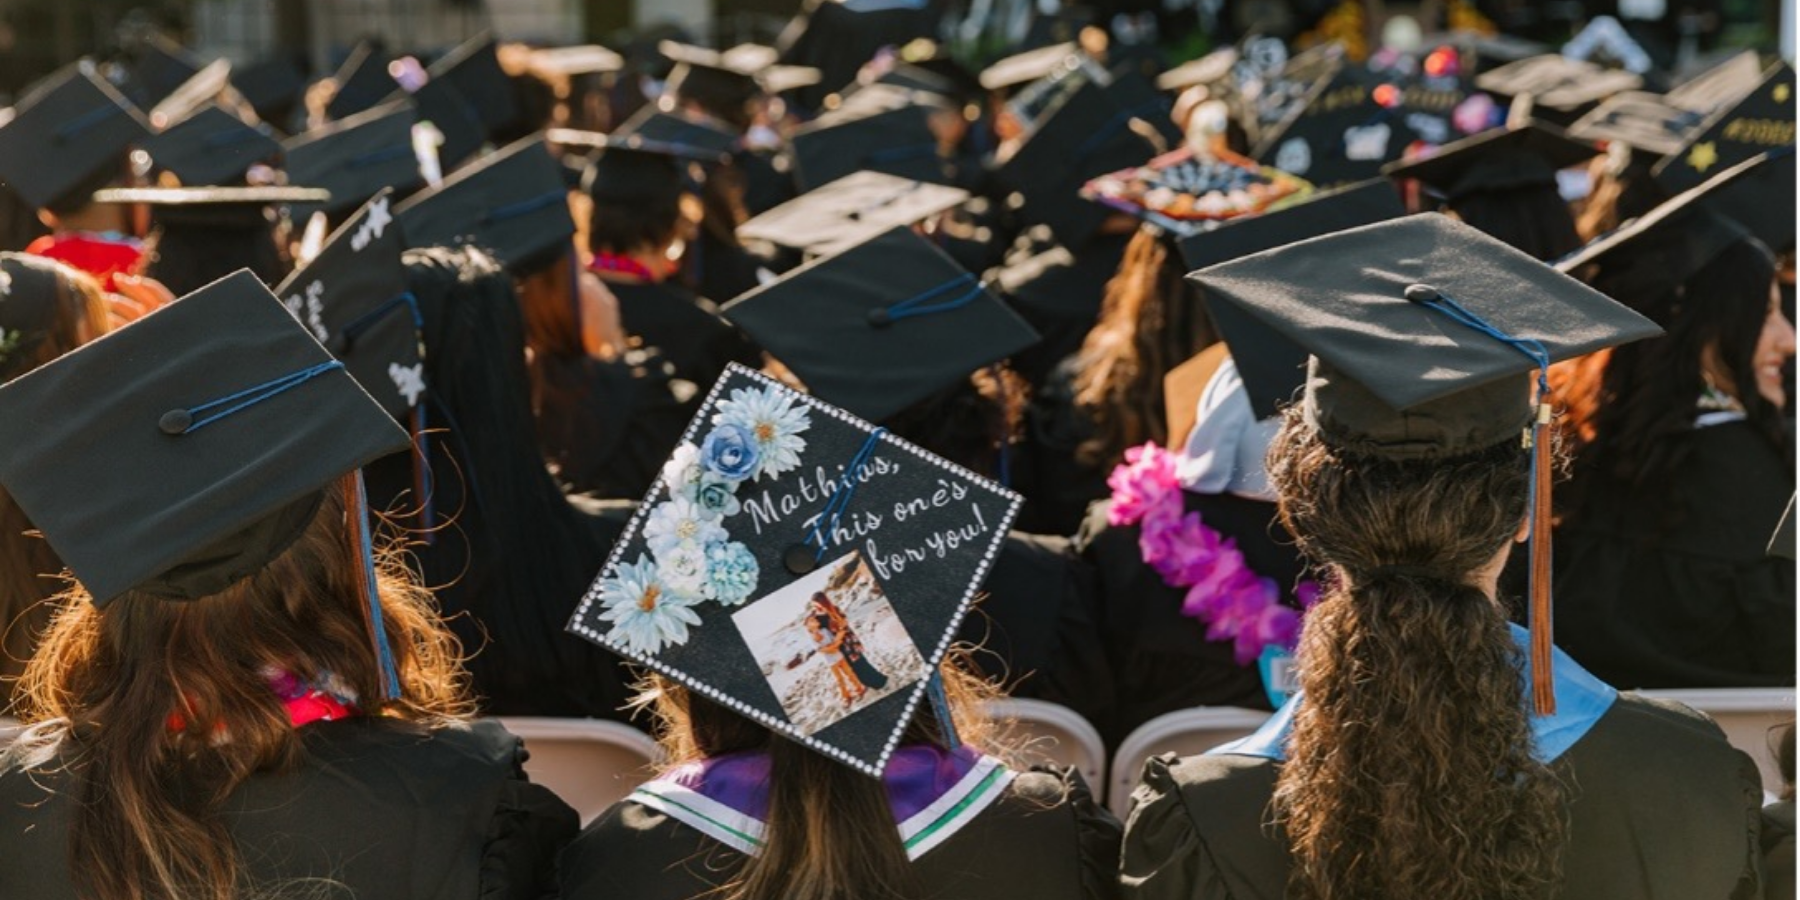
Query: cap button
{"points": [[1422, 293], [799, 559], [340, 344], [880, 318], [175, 421]]}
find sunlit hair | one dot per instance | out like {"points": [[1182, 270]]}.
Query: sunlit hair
{"points": [[1409, 771], [831, 833], [971, 422], [158, 710]]}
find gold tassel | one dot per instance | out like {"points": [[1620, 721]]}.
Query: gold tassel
{"points": [[1543, 683]]}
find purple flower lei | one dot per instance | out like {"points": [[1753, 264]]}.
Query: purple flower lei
{"points": [[1223, 592]]}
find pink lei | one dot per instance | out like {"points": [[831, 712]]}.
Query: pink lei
{"points": [[1223, 592]]}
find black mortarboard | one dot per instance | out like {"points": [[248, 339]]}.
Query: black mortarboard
{"points": [[1727, 82], [1273, 366], [1183, 192], [356, 157], [688, 135], [204, 233], [362, 82], [1663, 248], [441, 104], [1640, 120], [1208, 70], [1021, 69], [353, 298], [849, 211], [1500, 159], [211, 147], [731, 78], [881, 326], [206, 87], [474, 70], [66, 134], [207, 201], [1086, 135], [1337, 132], [647, 156], [925, 57], [1781, 543], [883, 129], [1561, 89], [242, 417], [586, 59], [158, 67], [272, 87], [802, 569], [513, 203], [1762, 120]]}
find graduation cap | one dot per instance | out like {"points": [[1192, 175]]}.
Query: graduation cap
{"points": [[1762, 120], [1183, 191], [271, 86], [1561, 89], [211, 147], [1727, 82], [882, 325], [926, 57], [1272, 366], [362, 82], [473, 69], [204, 88], [158, 67], [728, 80], [211, 200], [1021, 69], [1424, 335], [1667, 246], [456, 119], [1639, 120], [801, 568], [1781, 543], [1500, 159], [586, 59], [356, 157], [1086, 135], [241, 415], [64, 136], [1337, 132], [882, 128], [203, 233], [513, 203], [849, 211], [688, 135], [1208, 70]]}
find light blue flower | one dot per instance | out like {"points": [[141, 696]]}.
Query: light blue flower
{"points": [[730, 452], [717, 496], [646, 616], [731, 573], [680, 519], [774, 422]]}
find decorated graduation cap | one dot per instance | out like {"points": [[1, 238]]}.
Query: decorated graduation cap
{"points": [[513, 203], [66, 138], [1021, 69], [881, 326], [1426, 337], [1184, 191], [849, 211], [883, 128], [1763, 120], [211, 147], [1337, 132], [1659, 250], [1502, 159], [1086, 135], [362, 82], [1560, 88], [356, 157], [800, 567]]}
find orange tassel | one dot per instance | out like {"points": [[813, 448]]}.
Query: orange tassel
{"points": [[1543, 683]]}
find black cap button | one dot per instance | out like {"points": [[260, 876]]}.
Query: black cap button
{"points": [[879, 317], [1422, 293], [799, 559], [175, 421]]}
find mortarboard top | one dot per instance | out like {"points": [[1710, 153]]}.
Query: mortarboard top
{"points": [[271, 86], [352, 297], [1761, 120], [455, 118], [362, 82], [158, 67], [1085, 135], [1727, 82], [1021, 69], [69, 131], [513, 203], [473, 69], [1762, 199], [211, 206], [1337, 132], [927, 57], [815, 604], [880, 128], [733, 76], [586, 59], [689, 135], [1499, 159], [1183, 191], [761, 61], [1208, 70], [882, 325], [1392, 376], [1137, 95], [1655, 252], [1272, 366], [749, 57], [1558, 84], [642, 157], [211, 147], [240, 414], [849, 211], [205, 87], [357, 156], [1781, 543], [1640, 120]]}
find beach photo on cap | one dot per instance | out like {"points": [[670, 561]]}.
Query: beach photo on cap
{"points": [[830, 644]]}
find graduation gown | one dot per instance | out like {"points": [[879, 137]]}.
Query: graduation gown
{"points": [[1062, 302], [1057, 486], [1660, 807], [607, 427], [1697, 602], [377, 808], [686, 328], [973, 828], [1161, 659]]}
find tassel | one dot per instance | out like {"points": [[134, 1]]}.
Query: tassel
{"points": [[1543, 682], [356, 516], [940, 704]]}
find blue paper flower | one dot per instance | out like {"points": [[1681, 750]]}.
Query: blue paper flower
{"points": [[646, 616], [774, 422], [730, 452], [731, 573], [717, 496]]}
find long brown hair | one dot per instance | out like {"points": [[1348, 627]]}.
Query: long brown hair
{"points": [[162, 708], [1410, 770], [831, 833], [29, 569], [1150, 322]]}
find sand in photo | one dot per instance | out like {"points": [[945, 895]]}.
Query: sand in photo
{"points": [[826, 660]]}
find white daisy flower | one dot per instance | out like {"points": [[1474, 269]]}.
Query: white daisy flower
{"points": [[680, 519], [646, 616], [682, 570], [682, 472], [774, 422]]}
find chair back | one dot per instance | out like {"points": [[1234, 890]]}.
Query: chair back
{"points": [[1187, 732], [1051, 734], [590, 763]]}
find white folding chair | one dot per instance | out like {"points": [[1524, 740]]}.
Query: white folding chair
{"points": [[1746, 715], [590, 763], [1050, 734], [1187, 732]]}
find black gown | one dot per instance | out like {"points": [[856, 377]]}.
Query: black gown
{"points": [[607, 427], [1057, 486], [686, 328], [1697, 603], [377, 808]]}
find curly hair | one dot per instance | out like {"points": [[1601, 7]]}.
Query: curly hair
{"points": [[1410, 770], [971, 423]]}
